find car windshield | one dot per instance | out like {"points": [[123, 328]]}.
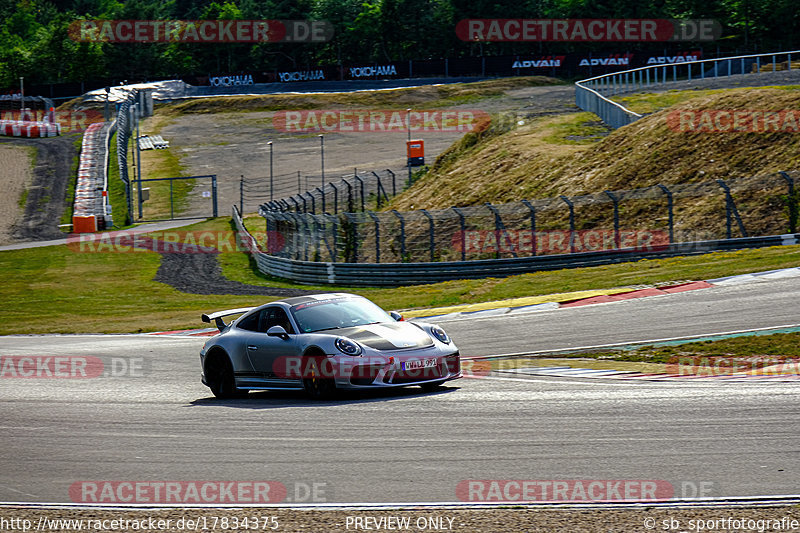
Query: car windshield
{"points": [[337, 314]]}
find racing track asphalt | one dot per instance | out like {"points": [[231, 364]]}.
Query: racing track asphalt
{"points": [[405, 446]]}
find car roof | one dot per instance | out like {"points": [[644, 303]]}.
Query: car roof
{"points": [[313, 298]]}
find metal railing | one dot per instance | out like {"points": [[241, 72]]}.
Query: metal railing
{"points": [[353, 192], [592, 94], [136, 105], [397, 274], [641, 220]]}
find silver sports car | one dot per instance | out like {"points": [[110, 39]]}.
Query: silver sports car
{"points": [[321, 343]]}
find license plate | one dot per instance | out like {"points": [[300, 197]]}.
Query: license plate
{"points": [[419, 364]]}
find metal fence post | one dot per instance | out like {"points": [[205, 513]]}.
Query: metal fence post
{"points": [[361, 185], [615, 200], [402, 235], [323, 199], [379, 188], [500, 231], [335, 223], [730, 209], [213, 193], [314, 236], [571, 223], [271, 227], [353, 236], [306, 235], [792, 201], [296, 205], [431, 231], [349, 195], [462, 223], [313, 202], [299, 235], [670, 220], [374, 217], [532, 209], [335, 198], [305, 204], [241, 194], [394, 182]]}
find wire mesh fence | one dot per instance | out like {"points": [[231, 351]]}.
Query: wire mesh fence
{"points": [[638, 219], [356, 191]]}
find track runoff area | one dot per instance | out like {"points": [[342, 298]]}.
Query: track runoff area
{"points": [[144, 440]]}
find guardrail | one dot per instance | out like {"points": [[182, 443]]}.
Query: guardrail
{"points": [[648, 216], [398, 274], [590, 94]]}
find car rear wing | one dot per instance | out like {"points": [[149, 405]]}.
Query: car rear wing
{"points": [[217, 317]]}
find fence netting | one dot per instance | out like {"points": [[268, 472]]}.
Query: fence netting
{"points": [[641, 219]]}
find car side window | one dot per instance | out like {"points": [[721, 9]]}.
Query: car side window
{"points": [[275, 316], [250, 322]]}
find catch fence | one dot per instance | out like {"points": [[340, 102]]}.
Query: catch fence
{"points": [[357, 191], [643, 219]]}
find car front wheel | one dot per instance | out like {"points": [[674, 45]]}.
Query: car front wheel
{"points": [[318, 380]]}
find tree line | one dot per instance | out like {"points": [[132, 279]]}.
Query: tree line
{"points": [[35, 39]]}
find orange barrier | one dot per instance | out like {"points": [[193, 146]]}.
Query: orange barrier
{"points": [[84, 224]]}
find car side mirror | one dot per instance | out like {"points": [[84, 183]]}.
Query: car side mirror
{"points": [[397, 316], [277, 331]]}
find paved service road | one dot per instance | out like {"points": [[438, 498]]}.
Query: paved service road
{"points": [[161, 424]]}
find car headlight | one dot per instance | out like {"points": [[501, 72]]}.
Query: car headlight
{"points": [[348, 347], [440, 335]]}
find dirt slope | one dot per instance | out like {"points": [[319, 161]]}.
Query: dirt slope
{"points": [[526, 163]]}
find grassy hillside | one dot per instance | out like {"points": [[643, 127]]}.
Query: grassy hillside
{"points": [[427, 95], [549, 156]]}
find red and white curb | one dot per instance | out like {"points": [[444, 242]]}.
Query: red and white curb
{"points": [[619, 297], [600, 299]]}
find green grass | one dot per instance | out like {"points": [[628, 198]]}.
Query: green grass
{"points": [[578, 128], [158, 164], [644, 103], [56, 290], [23, 198], [764, 348]]}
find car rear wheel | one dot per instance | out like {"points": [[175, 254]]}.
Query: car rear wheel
{"points": [[219, 375], [318, 380]]}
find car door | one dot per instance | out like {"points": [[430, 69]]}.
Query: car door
{"points": [[267, 353]]}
